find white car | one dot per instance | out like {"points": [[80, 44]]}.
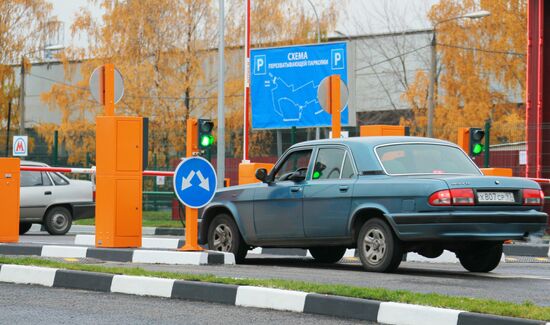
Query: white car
{"points": [[53, 200]]}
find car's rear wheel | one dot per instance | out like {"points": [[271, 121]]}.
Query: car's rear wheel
{"points": [[24, 227], [481, 257], [327, 254], [58, 221], [378, 248], [224, 236]]}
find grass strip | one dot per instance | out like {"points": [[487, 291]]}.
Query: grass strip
{"points": [[161, 219], [486, 306]]}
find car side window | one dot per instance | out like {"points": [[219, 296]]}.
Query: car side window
{"points": [[58, 180], [29, 179], [347, 170], [295, 161], [328, 164]]}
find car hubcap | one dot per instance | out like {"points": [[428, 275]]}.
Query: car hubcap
{"points": [[374, 246], [223, 238], [59, 221]]}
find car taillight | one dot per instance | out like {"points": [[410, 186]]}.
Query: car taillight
{"points": [[441, 198], [532, 197], [462, 196], [457, 196]]}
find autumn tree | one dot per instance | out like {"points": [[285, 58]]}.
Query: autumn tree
{"points": [[23, 28], [483, 70]]}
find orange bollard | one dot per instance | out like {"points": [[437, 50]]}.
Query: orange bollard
{"points": [[9, 199]]}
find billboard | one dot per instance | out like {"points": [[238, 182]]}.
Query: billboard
{"points": [[284, 82]]}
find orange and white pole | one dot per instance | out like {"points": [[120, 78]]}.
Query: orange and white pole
{"points": [[246, 113]]}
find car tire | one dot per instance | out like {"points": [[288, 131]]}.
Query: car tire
{"points": [[24, 227], [327, 254], [378, 248], [481, 257], [58, 221], [224, 236]]}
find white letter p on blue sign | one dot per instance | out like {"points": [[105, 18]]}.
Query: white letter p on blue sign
{"points": [[337, 59], [259, 65]]}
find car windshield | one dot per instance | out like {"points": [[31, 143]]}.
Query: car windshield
{"points": [[412, 158]]}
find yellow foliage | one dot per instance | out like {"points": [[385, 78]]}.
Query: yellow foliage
{"points": [[163, 49], [482, 69]]}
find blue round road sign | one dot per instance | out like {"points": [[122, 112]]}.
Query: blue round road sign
{"points": [[195, 182]]}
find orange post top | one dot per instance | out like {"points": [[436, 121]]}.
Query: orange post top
{"points": [[334, 105], [463, 139], [192, 142], [382, 130], [108, 89]]}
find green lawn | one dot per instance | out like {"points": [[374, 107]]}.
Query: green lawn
{"points": [[486, 306], [150, 219]]}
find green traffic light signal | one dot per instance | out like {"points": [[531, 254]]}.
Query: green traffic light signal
{"points": [[206, 139], [476, 137]]}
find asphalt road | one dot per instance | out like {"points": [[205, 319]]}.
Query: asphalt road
{"points": [[26, 304], [515, 282]]}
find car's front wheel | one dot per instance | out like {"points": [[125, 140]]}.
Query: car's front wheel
{"points": [[378, 247], [224, 236], [327, 254], [24, 227], [58, 221], [481, 257]]}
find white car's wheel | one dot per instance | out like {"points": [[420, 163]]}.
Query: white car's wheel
{"points": [[58, 221]]}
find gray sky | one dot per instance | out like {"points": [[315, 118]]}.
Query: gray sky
{"points": [[360, 16]]}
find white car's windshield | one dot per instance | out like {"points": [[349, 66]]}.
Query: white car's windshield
{"points": [[412, 158]]}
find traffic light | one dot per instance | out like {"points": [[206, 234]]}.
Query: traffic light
{"points": [[206, 139], [476, 136]]}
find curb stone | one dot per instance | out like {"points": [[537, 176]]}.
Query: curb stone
{"points": [[268, 298], [148, 256]]}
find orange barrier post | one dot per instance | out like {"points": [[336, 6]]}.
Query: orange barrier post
{"points": [[463, 139], [191, 214], [247, 172], [497, 172], [334, 105], [119, 168], [9, 199]]}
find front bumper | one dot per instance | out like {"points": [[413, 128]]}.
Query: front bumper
{"points": [[468, 225]]}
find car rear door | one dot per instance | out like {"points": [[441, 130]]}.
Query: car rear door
{"points": [[36, 195], [328, 192]]}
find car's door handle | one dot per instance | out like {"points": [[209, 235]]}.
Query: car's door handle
{"points": [[295, 189], [344, 188], [48, 193]]}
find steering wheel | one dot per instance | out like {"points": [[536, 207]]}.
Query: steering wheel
{"points": [[334, 170], [286, 176]]}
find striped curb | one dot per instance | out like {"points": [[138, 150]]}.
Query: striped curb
{"points": [[247, 296], [147, 256]]}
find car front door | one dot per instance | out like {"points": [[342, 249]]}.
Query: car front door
{"points": [[278, 205], [327, 194]]}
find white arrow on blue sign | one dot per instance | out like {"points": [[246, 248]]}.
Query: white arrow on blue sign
{"points": [[195, 182]]}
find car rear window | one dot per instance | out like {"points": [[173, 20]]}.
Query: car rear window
{"points": [[425, 159], [58, 179]]}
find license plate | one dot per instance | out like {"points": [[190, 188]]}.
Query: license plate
{"points": [[506, 197]]}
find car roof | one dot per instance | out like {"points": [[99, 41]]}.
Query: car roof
{"points": [[363, 147], [373, 141], [33, 163]]}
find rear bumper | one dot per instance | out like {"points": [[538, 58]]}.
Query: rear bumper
{"points": [[469, 225], [83, 210]]}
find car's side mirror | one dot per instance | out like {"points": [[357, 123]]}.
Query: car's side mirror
{"points": [[261, 174]]}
